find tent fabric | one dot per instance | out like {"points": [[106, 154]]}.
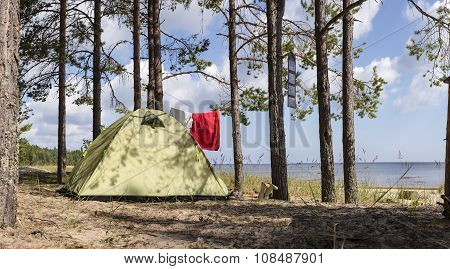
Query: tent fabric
{"points": [[133, 157], [206, 129]]}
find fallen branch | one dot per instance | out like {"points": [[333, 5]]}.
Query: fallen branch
{"points": [[445, 198], [446, 205]]}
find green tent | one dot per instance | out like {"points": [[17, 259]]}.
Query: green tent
{"points": [[145, 153]]}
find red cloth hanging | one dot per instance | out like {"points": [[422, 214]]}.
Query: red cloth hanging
{"points": [[206, 129]]}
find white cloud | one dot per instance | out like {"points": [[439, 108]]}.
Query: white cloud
{"points": [[420, 95], [190, 92], [387, 68], [365, 17], [193, 20], [412, 14], [187, 92], [114, 31], [44, 130], [294, 11]]}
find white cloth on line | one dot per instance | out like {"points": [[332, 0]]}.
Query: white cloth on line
{"points": [[183, 117]]}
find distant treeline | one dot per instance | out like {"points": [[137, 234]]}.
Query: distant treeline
{"points": [[34, 155]]}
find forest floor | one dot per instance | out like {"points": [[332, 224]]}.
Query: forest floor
{"points": [[47, 219]]}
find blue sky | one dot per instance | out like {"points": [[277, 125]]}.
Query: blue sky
{"points": [[411, 119]]}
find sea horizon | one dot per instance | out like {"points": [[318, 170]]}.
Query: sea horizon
{"points": [[385, 174], [411, 162]]}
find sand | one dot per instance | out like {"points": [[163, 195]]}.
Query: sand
{"points": [[47, 219]]}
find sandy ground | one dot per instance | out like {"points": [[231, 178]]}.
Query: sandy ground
{"points": [[48, 220]]}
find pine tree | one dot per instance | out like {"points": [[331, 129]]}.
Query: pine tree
{"points": [[157, 57], [234, 89], [348, 136], [151, 58], [9, 101], [432, 42], [323, 95], [96, 70], [62, 92], [276, 129], [322, 28], [137, 53]]}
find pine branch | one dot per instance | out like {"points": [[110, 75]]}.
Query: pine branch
{"points": [[199, 72], [429, 16], [350, 7]]}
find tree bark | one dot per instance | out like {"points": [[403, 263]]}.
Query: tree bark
{"points": [[97, 73], [323, 89], [235, 113], [276, 158], [348, 136], [271, 66], [157, 56], [151, 59], [447, 157], [9, 103], [137, 54], [281, 164], [62, 92]]}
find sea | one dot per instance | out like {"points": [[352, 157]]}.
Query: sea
{"points": [[388, 174]]}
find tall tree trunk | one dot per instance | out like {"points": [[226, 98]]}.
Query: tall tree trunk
{"points": [[348, 136], [447, 157], [274, 102], [323, 89], [151, 59], [97, 72], [137, 54], [281, 163], [159, 96], [235, 112], [62, 92], [9, 103]]}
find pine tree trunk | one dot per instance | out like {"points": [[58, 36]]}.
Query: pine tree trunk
{"points": [[273, 110], [97, 74], [281, 165], [447, 158], [137, 54], [157, 56], [235, 113], [62, 92], [274, 102], [348, 136], [9, 103], [323, 89], [151, 59]]}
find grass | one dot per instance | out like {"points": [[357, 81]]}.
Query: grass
{"points": [[309, 191], [51, 168]]}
